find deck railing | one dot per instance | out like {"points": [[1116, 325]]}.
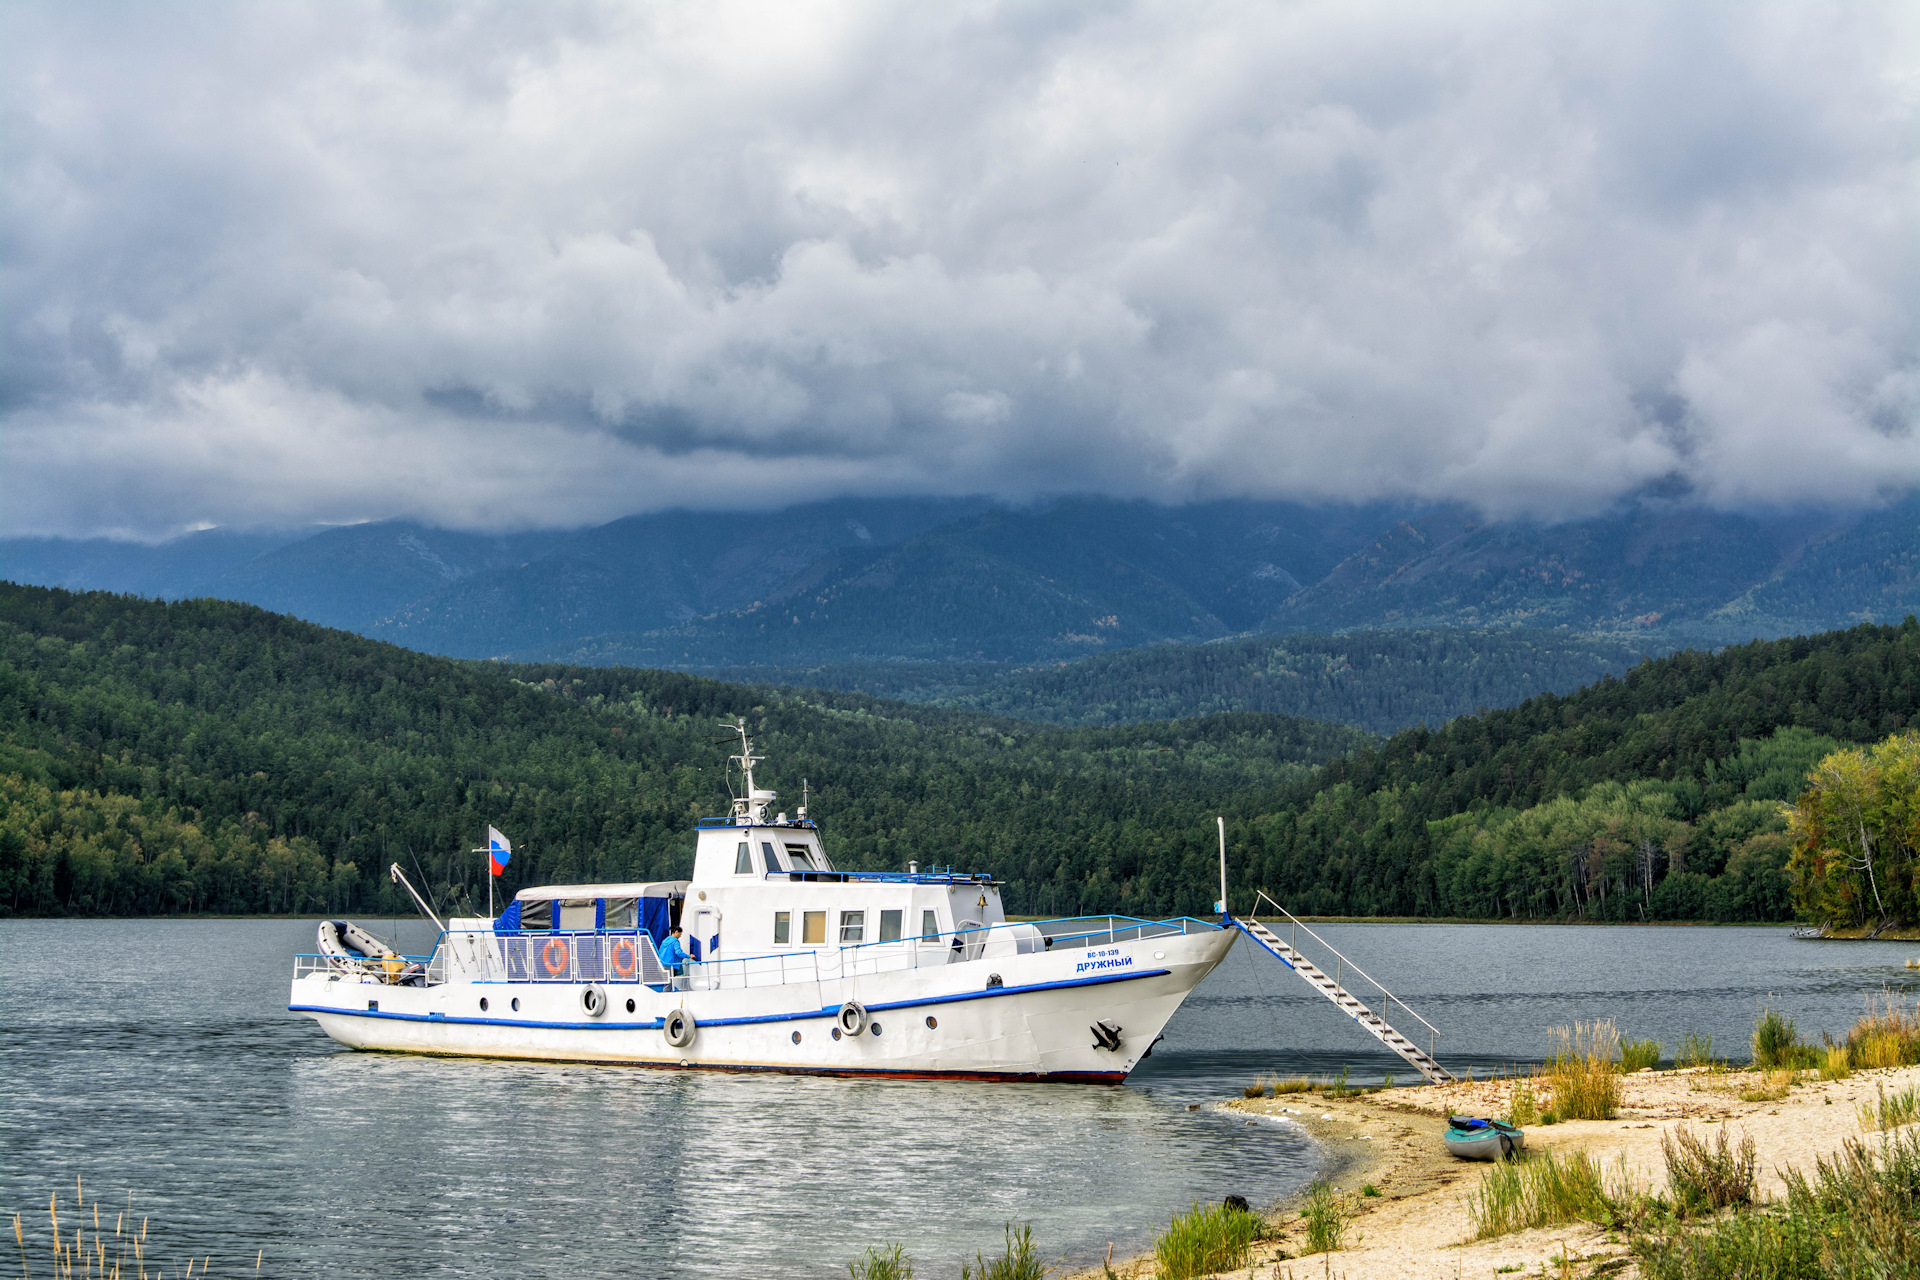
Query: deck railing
{"points": [[629, 956]]}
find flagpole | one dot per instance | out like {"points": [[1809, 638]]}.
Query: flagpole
{"points": [[488, 869]]}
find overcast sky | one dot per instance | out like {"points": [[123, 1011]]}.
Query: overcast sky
{"points": [[548, 264]]}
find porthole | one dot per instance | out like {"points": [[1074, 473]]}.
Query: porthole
{"points": [[836, 1033], [483, 1004], [796, 1037], [630, 1006], [516, 1004], [932, 1022], [876, 1028]]}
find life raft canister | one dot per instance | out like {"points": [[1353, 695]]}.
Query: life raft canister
{"points": [[555, 956], [853, 1017], [678, 1026], [624, 957]]}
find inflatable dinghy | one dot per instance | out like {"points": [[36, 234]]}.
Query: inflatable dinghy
{"points": [[1470, 1138], [351, 949]]}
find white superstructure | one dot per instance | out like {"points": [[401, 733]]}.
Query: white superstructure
{"points": [[795, 966]]}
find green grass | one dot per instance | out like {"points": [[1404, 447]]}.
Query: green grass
{"points": [[1539, 1191], [1204, 1241], [1696, 1050], [1638, 1055], [1021, 1261], [1325, 1216], [882, 1262], [1776, 1043], [1890, 1111]]}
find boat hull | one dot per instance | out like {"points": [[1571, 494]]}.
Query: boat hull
{"points": [[1486, 1144], [1024, 1017]]}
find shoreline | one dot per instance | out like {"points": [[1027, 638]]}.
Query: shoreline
{"points": [[1417, 1227]]}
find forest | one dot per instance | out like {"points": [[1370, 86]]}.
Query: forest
{"points": [[208, 756], [1586, 806]]}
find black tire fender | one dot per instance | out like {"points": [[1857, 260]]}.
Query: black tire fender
{"points": [[852, 1018]]}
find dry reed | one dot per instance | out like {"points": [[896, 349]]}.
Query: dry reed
{"points": [[1889, 1036], [117, 1254], [1584, 1071]]}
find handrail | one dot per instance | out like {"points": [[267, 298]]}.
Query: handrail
{"points": [[1260, 894]]}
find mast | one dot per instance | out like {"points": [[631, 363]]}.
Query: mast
{"points": [[753, 806], [1223, 869]]}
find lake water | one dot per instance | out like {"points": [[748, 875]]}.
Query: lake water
{"points": [[157, 1057]]}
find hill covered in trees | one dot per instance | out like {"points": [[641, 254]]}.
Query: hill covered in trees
{"points": [[211, 756], [1382, 681], [1653, 795]]}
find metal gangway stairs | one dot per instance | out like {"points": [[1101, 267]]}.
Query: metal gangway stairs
{"points": [[1331, 987]]}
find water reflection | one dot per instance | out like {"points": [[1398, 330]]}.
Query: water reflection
{"points": [[240, 1127], [159, 1056]]}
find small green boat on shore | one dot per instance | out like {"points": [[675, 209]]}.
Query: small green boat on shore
{"points": [[1473, 1139]]}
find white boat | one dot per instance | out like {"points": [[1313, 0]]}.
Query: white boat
{"points": [[795, 966]]}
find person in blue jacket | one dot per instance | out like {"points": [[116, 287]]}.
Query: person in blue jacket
{"points": [[673, 956]]}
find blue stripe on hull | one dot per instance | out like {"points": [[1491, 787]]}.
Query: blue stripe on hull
{"points": [[655, 1024]]}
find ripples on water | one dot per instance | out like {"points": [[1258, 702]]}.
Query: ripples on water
{"points": [[158, 1056]]}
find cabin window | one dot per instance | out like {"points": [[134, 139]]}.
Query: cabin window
{"points": [[890, 926], [623, 913], [782, 928], [743, 860], [578, 913], [930, 925], [853, 927], [773, 859], [536, 915], [813, 926], [798, 857]]}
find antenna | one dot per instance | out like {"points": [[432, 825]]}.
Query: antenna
{"points": [[754, 803], [803, 799]]}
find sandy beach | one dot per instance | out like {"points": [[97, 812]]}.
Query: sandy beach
{"points": [[1417, 1227]]}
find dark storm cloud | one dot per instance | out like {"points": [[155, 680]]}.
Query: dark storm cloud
{"points": [[549, 264]]}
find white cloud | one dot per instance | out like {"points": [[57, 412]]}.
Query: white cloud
{"points": [[550, 264]]}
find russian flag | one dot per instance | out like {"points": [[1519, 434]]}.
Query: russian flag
{"points": [[499, 850]]}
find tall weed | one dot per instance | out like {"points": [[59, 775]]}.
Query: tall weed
{"points": [[1775, 1041], [882, 1262], [1707, 1177], [1204, 1241], [1325, 1215], [1583, 1071], [1696, 1050], [1857, 1217], [1020, 1262], [1523, 1107]]}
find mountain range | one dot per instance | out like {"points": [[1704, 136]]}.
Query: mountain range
{"points": [[974, 581]]}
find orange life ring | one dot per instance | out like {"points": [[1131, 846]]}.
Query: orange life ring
{"points": [[555, 967], [623, 957]]}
